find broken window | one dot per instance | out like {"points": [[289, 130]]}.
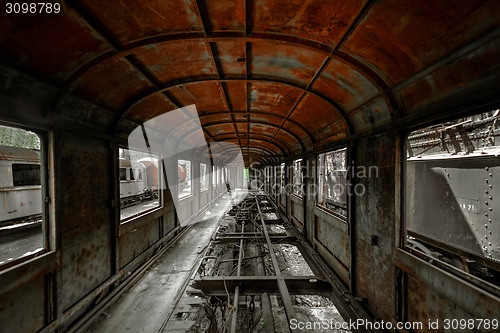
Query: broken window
{"points": [[451, 187], [332, 181]]}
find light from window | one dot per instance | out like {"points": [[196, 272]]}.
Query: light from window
{"points": [[332, 181], [203, 176], [139, 174], [21, 192], [184, 178]]}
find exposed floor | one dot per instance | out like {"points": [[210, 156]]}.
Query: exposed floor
{"points": [[148, 304], [170, 297]]}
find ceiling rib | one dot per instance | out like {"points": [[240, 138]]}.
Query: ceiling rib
{"points": [[248, 17], [243, 122], [248, 87], [203, 12], [95, 24], [220, 74], [288, 115], [261, 136], [309, 134]]}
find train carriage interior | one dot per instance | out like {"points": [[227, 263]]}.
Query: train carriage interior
{"points": [[249, 166]]}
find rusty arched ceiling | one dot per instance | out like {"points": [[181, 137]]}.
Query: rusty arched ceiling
{"points": [[279, 78]]}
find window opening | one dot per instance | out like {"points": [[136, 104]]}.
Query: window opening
{"points": [[203, 176], [451, 183], [332, 179], [139, 174], [184, 178], [297, 177], [22, 189]]}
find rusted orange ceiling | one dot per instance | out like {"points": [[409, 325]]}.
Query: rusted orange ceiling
{"points": [[277, 77]]}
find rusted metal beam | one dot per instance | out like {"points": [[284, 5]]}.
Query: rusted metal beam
{"points": [[282, 286], [133, 101], [205, 19], [249, 11], [253, 285], [94, 23], [274, 239], [261, 136], [263, 113], [297, 139], [288, 117]]}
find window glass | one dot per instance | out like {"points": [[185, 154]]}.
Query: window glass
{"points": [[214, 176], [297, 177], [184, 178], [203, 176], [282, 177], [332, 179], [139, 174], [22, 189], [452, 186]]}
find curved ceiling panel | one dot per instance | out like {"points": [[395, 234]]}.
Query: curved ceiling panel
{"points": [[274, 97], [128, 21], [284, 62], [150, 107], [316, 114], [375, 113], [324, 21], [124, 80], [294, 74], [345, 85], [400, 38], [179, 60], [207, 96], [35, 43]]}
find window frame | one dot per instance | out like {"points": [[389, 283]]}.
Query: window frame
{"points": [[406, 153], [297, 178], [131, 172], [333, 207], [189, 178], [203, 176], [47, 193]]}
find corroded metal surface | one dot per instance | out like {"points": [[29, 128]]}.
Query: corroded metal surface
{"points": [[313, 72]]}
